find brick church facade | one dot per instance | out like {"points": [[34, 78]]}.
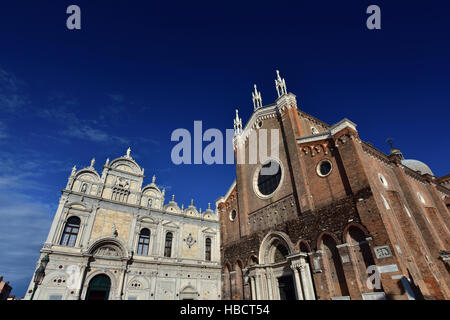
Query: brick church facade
{"points": [[338, 220]]}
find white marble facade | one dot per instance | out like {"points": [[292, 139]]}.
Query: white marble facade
{"points": [[113, 211]]}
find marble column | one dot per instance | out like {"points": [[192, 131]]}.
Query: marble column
{"points": [[252, 285], [258, 287], [269, 286], [307, 284], [298, 287]]}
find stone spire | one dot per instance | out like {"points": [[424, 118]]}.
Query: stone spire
{"points": [[107, 162], [237, 124], [92, 162], [257, 101], [128, 152], [280, 85], [153, 179], [74, 169]]}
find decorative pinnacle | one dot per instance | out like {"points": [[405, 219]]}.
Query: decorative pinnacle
{"points": [[256, 97], [92, 162], [280, 85], [173, 197], [153, 179], [192, 202], [74, 169], [209, 205], [107, 161], [128, 152], [237, 123]]}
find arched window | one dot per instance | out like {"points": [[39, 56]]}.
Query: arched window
{"points": [[84, 188], [70, 232], [168, 245], [150, 201], [208, 249], [144, 241]]}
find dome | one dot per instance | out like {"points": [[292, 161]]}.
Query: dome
{"points": [[417, 165]]}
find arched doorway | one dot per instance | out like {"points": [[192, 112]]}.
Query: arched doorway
{"points": [[99, 288], [276, 278]]}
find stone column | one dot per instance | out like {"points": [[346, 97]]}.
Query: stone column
{"points": [[258, 287], [305, 275], [269, 285], [264, 288], [298, 287], [252, 285]]}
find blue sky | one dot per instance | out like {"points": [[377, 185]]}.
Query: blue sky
{"points": [[137, 70]]}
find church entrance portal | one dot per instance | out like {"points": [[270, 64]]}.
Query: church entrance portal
{"points": [[99, 288]]}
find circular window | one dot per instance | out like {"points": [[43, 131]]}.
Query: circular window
{"points": [[233, 215], [324, 168], [267, 179], [259, 124], [383, 180]]}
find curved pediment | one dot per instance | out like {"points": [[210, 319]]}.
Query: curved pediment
{"points": [[108, 247], [126, 165]]}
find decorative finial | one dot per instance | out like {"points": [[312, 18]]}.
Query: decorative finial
{"points": [[74, 169], [163, 192], [107, 162], [173, 197], [92, 162], [192, 202], [182, 207], [209, 205], [280, 85], [128, 152], [237, 124], [153, 179], [257, 101]]}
